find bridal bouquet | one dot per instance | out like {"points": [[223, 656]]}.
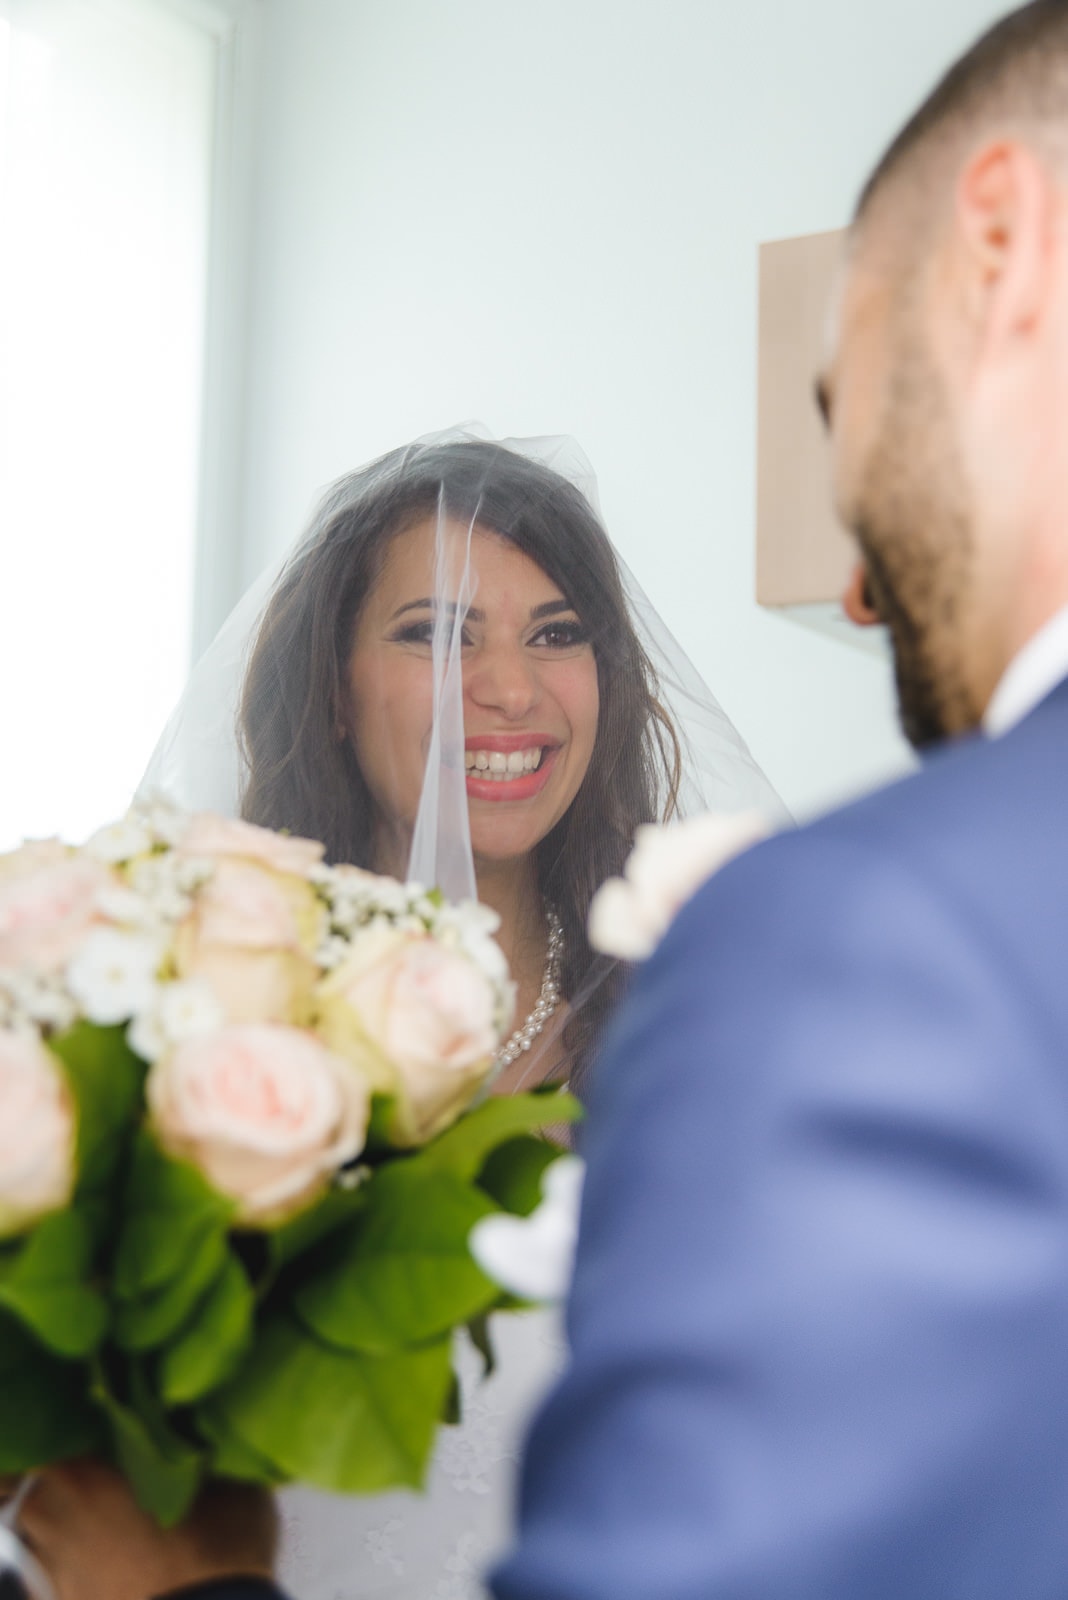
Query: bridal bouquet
{"points": [[244, 1140]]}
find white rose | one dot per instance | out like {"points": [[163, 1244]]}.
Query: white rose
{"points": [[264, 1112], [630, 915], [37, 1133], [252, 934], [421, 1021], [533, 1256]]}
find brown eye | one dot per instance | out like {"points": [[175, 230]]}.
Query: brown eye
{"points": [[422, 633], [566, 635], [414, 633]]}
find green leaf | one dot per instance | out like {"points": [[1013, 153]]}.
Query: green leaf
{"points": [[168, 1210], [230, 1456], [382, 1110], [164, 1471], [453, 1414], [44, 1285], [479, 1333], [337, 1207], [353, 1423], [402, 1273], [45, 1413], [513, 1173], [107, 1081], [463, 1148], [210, 1347], [147, 1322]]}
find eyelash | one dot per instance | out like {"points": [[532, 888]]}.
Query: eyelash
{"points": [[575, 634]]}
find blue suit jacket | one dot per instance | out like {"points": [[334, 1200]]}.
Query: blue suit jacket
{"points": [[820, 1313]]}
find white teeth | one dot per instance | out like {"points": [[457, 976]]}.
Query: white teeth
{"points": [[500, 767]]}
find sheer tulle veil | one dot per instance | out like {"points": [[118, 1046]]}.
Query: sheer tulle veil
{"points": [[692, 757]]}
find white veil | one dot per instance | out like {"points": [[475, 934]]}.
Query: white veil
{"points": [[199, 762]]}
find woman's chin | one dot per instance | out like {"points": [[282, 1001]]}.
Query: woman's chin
{"points": [[496, 841], [493, 853]]}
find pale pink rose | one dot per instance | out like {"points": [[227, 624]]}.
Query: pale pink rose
{"points": [[630, 915], [49, 900], [37, 1133], [251, 935], [419, 1019], [211, 835], [265, 1113]]}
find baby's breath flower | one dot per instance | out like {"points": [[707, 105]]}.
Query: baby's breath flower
{"points": [[185, 1009], [164, 883], [164, 821], [33, 1001], [332, 952], [121, 841], [189, 872], [113, 975], [126, 907]]}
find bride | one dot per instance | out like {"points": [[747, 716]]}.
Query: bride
{"points": [[454, 680]]}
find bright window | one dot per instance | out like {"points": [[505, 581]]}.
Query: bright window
{"points": [[106, 112]]}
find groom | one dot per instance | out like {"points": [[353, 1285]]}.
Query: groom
{"points": [[820, 1315]]}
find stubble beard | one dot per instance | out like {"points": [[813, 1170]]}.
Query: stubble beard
{"points": [[914, 529]]}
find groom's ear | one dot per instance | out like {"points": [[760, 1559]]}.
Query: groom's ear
{"points": [[857, 601], [1004, 244]]}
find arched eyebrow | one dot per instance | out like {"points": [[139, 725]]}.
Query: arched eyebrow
{"points": [[548, 608]]}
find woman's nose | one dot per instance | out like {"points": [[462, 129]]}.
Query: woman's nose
{"points": [[502, 679]]}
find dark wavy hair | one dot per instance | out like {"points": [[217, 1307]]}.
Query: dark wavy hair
{"points": [[300, 776]]}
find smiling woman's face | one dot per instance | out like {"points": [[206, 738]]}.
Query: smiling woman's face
{"points": [[530, 694]]}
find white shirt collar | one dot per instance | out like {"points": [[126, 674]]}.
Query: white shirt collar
{"points": [[1029, 677]]}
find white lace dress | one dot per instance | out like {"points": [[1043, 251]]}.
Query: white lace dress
{"points": [[437, 1545]]}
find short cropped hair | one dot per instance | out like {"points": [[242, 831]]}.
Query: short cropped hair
{"points": [[1016, 73]]}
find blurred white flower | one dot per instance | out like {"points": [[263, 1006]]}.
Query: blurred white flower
{"points": [[185, 1009], [630, 915], [113, 975], [166, 823], [533, 1257], [32, 1000], [158, 881], [471, 927], [121, 841], [332, 952]]}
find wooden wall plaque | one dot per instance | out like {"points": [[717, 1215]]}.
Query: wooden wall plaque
{"points": [[803, 554]]}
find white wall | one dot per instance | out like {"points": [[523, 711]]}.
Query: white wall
{"points": [[547, 217]]}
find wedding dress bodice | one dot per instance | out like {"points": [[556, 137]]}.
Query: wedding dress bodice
{"points": [[439, 1544]]}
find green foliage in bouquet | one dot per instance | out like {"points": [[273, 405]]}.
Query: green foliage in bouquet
{"points": [[185, 1347], [235, 1230]]}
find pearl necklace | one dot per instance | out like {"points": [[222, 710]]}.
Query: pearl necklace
{"points": [[548, 997]]}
